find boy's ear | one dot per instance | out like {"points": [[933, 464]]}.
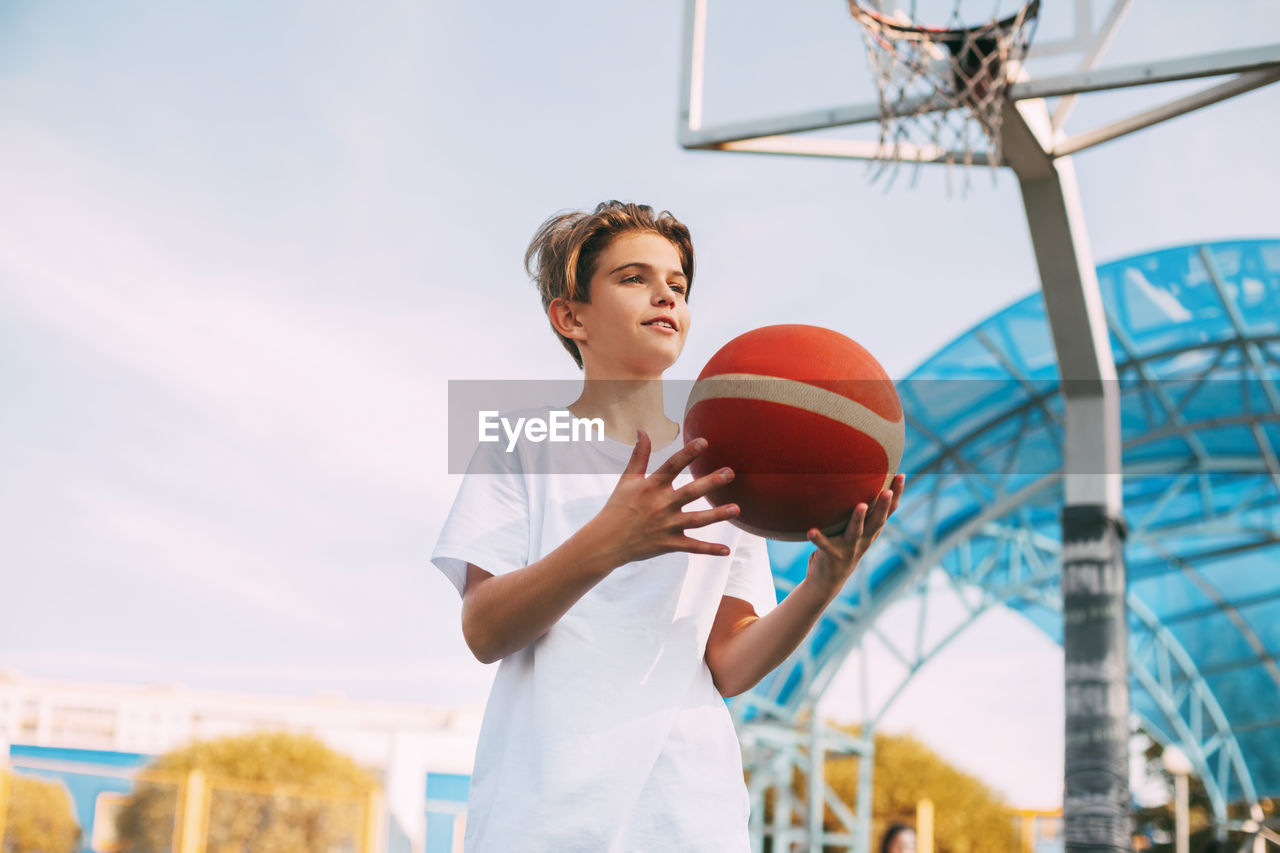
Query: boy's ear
{"points": [[564, 320]]}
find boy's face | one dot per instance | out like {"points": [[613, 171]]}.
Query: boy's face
{"points": [[636, 323]]}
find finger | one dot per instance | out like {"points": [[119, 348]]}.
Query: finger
{"points": [[857, 524], [668, 470], [899, 485], [702, 518], [825, 545], [697, 546], [877, 516], [703, 486], [639, 461]]}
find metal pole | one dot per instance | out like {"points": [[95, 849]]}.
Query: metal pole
{"points": [[817, 780], [1177, 764], [4, 789], [1096, 800], [1181, 831], [371, 836], [784, 800], [758, 793], [192, 814], [866, 787], [924, 826]]}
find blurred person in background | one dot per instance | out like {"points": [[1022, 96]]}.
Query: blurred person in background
{"points": [[898, 838]]}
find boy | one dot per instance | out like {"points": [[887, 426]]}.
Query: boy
{"points": [[619, 635]]}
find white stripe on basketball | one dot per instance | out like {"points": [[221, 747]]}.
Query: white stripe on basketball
{"points": [[801, 395], [787, 536]]}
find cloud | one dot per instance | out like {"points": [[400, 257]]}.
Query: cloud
{"points": [[339, 388], [173, 546]]}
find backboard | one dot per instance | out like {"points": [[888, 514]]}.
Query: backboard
{"points": [[794, 78]]}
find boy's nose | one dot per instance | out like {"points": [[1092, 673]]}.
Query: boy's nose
{"points": [[664, 293]]}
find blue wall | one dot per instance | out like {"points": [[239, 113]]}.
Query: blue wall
{"points": [[446, 799], [82, 777]]}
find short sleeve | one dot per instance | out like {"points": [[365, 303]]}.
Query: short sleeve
{"points": [[488, 525], [750, 575]]}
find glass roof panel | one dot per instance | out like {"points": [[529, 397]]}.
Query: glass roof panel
{"points": [[1202, 485]]}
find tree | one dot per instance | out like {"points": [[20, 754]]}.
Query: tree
{"points": [[969, 817], [39, 818], [270, 792]]}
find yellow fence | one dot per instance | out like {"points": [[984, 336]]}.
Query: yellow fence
{"points": [[196, 813], [219, 813], [1036, 826]]}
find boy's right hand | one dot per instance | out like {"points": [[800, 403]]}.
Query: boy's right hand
{"points": [[645, 515]]}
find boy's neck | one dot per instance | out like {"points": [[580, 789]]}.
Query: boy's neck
{"points": [[627, 405]]}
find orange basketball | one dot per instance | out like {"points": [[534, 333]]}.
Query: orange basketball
{"points": [[807, 419]]}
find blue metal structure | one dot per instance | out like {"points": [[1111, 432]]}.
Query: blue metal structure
{"points": [[1195, 332]]}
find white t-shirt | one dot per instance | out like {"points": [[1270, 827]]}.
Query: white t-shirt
{"points": [[607, 733]]}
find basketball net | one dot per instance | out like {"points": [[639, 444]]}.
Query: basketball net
{"points": [[942, 90]]}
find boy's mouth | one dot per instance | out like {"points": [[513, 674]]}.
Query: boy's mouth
{"points": [[662, 323]]}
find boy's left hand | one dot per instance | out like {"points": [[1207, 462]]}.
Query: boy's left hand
{"points": [[833, 562]]}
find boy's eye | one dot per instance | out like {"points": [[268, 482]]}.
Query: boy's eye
{"points": [[632, 278], [679, 288]]}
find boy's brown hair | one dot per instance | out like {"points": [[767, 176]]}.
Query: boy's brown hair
{"points": [[561, 258]]}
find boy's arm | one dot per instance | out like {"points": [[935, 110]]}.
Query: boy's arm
{"points": [[503, 614], [743, 648], [641, 519]]}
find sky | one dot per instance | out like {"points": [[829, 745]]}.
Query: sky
{"points": [[244, 247]]}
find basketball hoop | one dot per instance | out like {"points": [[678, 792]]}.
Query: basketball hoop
{"points": [[942, 89]]}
